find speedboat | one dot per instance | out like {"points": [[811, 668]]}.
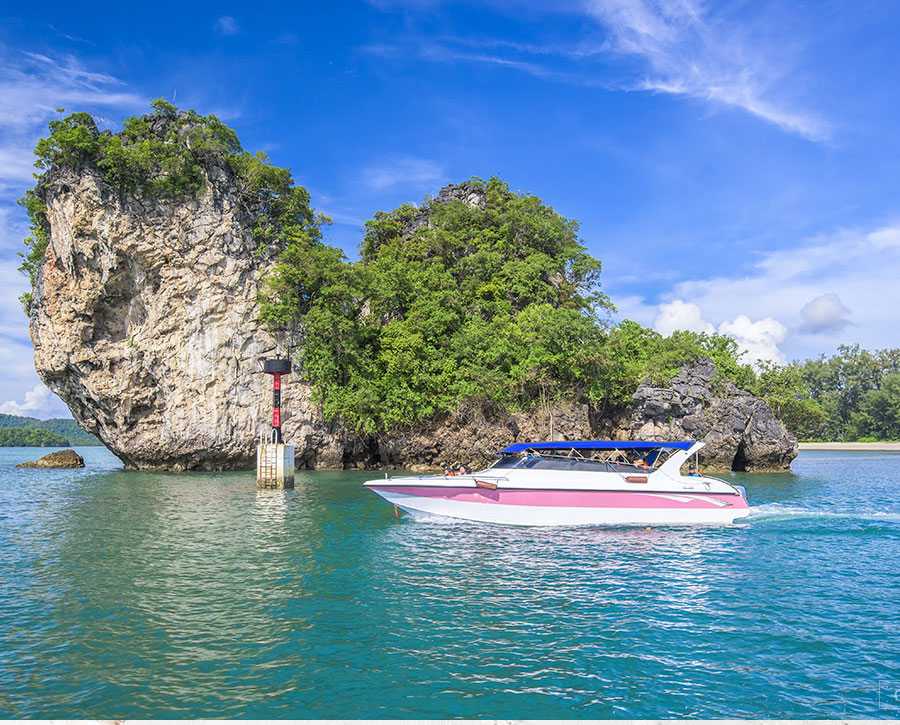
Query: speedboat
{"points": [[575, 483]]}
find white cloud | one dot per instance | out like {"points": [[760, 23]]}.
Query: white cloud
{"points": [[407, 171], [758, 340], [689, 52], [809, 289], [680, 315], [634, 307], [226, 25], [824, 314], [39, 402]]}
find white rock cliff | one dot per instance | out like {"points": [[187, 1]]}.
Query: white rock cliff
{"points": [[144, 321]]}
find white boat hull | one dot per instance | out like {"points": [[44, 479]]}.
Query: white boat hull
{"points": [[691, 511]]}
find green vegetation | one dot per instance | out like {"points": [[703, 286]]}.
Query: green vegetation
{"points": [[31, 437], [66, 428], [499, 304], [856, 391], [166, 154]]}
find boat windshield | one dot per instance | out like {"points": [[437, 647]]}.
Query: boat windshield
{"points": [[612, 461], [566, 464]]}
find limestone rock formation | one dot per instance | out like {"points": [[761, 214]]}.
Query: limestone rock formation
{"points": [[144, 321], [467, 191], [740, 430], [58, 459]]}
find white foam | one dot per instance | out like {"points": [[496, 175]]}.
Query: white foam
{"points": [[787, 511]]}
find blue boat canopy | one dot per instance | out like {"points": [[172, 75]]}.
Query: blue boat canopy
{"points": [[595, 446]]}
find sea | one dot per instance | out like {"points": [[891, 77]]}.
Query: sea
{"points": [[160, 595]]}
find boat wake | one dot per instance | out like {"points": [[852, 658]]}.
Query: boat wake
{"points": [[784, 512]]}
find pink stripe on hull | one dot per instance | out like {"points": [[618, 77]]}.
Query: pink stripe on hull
{"points": [[582, 499]]}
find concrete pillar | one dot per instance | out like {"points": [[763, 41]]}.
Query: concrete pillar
{"points": [[274, 465]]}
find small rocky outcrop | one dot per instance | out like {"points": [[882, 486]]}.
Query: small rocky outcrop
{"points": [[740, 430], [468, 191], [58, 459]]}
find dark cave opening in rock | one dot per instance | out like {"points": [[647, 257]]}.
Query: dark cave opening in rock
{"points": [[739, 463]]}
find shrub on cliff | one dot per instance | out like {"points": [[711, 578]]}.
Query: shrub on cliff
{"points": [[165, 154], [495, 300]]}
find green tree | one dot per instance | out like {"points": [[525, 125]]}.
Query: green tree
{"points": [[168, 153], [498, 302]]}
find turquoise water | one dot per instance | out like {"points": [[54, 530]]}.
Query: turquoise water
{"points": [[136, 595]]}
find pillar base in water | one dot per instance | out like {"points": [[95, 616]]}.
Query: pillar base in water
{"points": [[274, 465]]}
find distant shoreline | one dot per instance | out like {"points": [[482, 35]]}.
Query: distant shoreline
{"points": [[883, 446]]}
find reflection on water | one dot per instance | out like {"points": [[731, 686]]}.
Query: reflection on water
{"points": [[127, 594]]}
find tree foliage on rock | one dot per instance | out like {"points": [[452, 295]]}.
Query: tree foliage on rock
{"points": [[165, 154], [494, 299]]}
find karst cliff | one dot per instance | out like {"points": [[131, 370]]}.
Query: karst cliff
{"points": [[145, 320]]}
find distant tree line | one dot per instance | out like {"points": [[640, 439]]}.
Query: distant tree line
{"points": [[851, 396], [31, 437], [65, 429]]}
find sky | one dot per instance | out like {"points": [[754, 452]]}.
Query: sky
{"points": [[734, 165]]}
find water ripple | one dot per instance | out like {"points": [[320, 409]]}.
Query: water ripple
{"points": [[184, 596]]}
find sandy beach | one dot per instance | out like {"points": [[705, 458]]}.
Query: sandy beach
{"points": [[885, 446]]}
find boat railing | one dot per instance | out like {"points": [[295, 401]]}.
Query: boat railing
{"points": [[574, 460]]}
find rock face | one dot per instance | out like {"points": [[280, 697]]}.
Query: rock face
{"points": [[58, 459], [144, 321], [467, 191], [740, 430]]}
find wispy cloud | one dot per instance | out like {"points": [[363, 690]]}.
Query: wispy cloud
{"points": [[33, 87], [406, 171], [688, 52], [226, 25], [73, 38], [674, 47]]}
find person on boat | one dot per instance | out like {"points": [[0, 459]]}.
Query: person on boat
{"points": [[642, 463], [464, 470], [693, 471], [448, 471]]}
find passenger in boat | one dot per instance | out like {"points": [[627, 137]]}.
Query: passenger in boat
{"points": [[448, 472], [692, 471], [464, 470], [642, 463]]}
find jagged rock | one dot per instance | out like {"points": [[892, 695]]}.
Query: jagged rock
{"points": [[58, 459], [740, 430], [468, 191], [144, 321]]}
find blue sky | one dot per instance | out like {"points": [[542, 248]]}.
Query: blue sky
{"points": [[734, 165]]}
